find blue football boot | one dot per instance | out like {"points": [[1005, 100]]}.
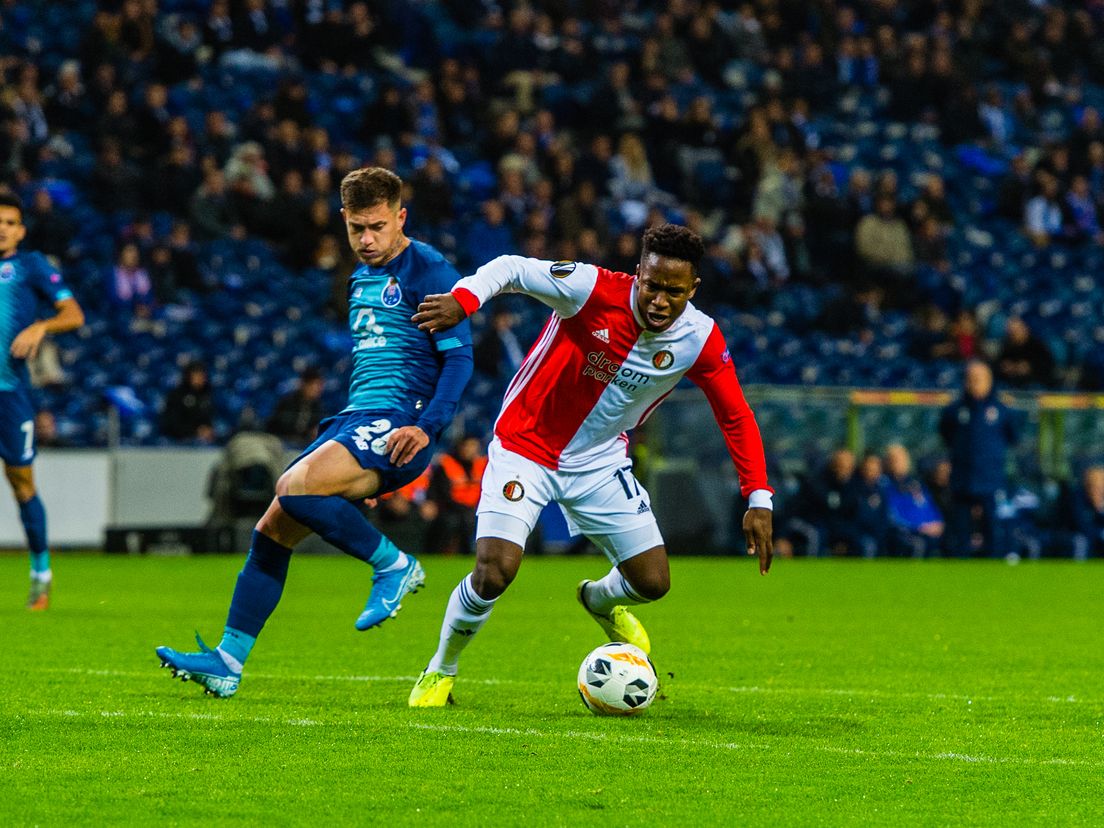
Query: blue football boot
{"points": [[388, 588], [205, 668]]}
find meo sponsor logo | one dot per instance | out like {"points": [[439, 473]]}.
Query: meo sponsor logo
{"points": [[606, 371]]}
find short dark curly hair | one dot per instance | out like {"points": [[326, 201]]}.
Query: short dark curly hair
{"points": [[368, 187], [675, 241]]}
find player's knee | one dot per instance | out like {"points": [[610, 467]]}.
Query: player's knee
{"points": [[490, 578], [651, 586]]}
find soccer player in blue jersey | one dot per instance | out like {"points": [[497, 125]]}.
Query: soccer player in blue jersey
{"points": [[404, 390], [28, 283]]}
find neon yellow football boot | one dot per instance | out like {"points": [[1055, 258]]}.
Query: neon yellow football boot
{"points": [[432, 690], [620, 625]]}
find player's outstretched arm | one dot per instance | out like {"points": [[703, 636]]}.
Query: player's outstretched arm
{"points": [[69, 317], [759, 534], [439, 312]]}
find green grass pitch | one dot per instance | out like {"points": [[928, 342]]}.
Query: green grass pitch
{"points": [[829, 693]]}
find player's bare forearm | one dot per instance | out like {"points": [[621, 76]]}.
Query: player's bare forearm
{"points": [[406, 442], [27, 341], [439, 312], [759, 534]]}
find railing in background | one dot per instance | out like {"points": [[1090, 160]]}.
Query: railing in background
{"points": [[695, 489]]}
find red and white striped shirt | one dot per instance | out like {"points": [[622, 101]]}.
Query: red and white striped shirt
{"points": [[596, 372]]}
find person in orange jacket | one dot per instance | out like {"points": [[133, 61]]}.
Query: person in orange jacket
{"points": [[454, 486]]}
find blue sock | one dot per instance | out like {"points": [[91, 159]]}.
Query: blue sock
{"points": [[33, 516], [341, 523], [260, 584]]}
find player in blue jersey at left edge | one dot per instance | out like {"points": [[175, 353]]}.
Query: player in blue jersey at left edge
{"points": [[404, 390], [27, 282]]}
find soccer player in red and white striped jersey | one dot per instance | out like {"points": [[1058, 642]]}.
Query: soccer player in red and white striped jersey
{"points": [[614, 347]]}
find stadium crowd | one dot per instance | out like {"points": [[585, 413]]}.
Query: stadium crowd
{"points": [[887, 189]]}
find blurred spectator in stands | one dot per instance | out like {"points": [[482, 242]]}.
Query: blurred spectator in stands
{"points": [[49, 230], [1088, 515], [933, 198], [871, 513], [247, 162], [116, 184], [929, 243], [297, 414], [67, 105], [580, 210], [978, 430], [488, 236], [860, 196], [858, 312], [211, 211], [219, 136], [1043, 213], [916, 526], [625, 255], [131, 285], [497, 352], [151, 118], [177, 180], [1083, 219], [632, 178], [830, 505], [1089, 130], [1014, 189], [937, 478], [997, 120], [433, 192], [183, 259], [455, 486], [1024, 359], [189, 410], [763, 233], [178, 49], [884, 247]]}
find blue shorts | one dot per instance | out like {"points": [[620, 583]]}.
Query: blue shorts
{"points": [[17, 445], [364, 434]]}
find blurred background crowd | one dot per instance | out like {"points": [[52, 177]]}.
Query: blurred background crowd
{"points": [[887, 189]]}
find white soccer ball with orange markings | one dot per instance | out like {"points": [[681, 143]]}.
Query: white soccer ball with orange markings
{"points": [[617, 680]]}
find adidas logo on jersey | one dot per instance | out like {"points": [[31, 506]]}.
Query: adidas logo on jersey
{"points": [[642, 508], [602, 335]]}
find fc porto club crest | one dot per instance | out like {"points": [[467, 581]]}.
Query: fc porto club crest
{"points": [[561, 270], [392, 293], [663, 360], [513, 491], [7, 272]]}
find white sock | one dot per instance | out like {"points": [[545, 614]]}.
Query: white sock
{"points": [[465, 615], [45, 576], [400, 563], [612, 591]]}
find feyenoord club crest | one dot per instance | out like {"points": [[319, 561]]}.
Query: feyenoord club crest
{"points": [[562, 269], [663, 360], [513, 491], [392, 293]]}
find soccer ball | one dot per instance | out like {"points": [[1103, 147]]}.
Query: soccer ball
{"points": [[617, 680]]}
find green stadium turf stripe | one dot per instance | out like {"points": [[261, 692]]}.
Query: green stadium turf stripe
{"points": [[714, 745]]}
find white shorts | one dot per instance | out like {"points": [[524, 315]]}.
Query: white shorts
{"points": [[608, 505]]}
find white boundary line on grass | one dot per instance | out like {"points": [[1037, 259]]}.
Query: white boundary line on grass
{"points": [[581, 735], [797, 691], [152, 714], [902, 694], [873, 754]]}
